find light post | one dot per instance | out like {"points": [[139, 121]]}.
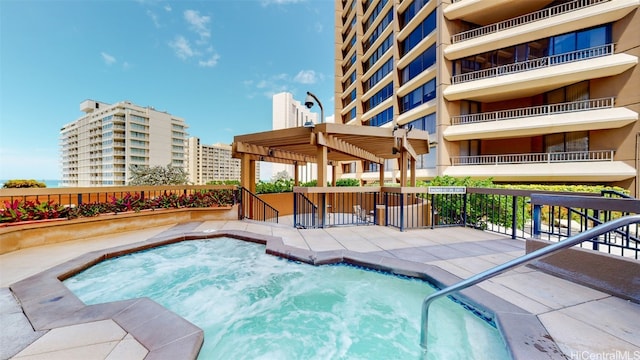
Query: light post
{"points": [[308, 102]]}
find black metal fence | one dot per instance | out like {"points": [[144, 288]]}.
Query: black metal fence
{"points": [[556, 217], [253, 208], [505, 211], [338, 206]]}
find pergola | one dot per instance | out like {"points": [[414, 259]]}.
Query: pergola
{"points": [[328, 144]]}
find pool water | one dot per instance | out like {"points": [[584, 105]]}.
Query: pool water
{"points": [[252, 305]]}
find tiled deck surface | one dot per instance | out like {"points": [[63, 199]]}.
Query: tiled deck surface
{"points": [[584, 323]]}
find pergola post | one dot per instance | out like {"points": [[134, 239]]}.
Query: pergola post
{"points": [[334, 175], [296, 176], [322, 159], [403, 168], [248, 172], [413, 171]]}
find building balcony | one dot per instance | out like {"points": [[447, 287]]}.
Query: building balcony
{"points": [[565, 166], [556, 20], [528, 78], [488, 12], [593, 114]]}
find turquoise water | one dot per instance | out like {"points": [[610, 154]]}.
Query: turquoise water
{"points": [[256, 306]]}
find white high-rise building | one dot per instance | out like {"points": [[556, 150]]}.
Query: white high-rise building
{"points": [[207, 163], [289, 113], [99, 148]]}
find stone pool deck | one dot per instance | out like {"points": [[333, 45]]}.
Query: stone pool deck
{"points": [[531, 307]]}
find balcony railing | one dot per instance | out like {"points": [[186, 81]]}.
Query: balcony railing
{"points": [[551, 109], [539, 63], [525, 19], [535, 158]]}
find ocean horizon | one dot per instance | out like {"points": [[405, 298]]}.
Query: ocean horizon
{"points": [[51, 183]]}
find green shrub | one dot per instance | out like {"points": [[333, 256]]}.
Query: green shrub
{"points": [[19, 184]]}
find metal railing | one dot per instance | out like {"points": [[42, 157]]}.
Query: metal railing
{"points": [[534, 64], [407, 208], [525, 19], [254, 208], [305, 212], [321, 207], [534, 158], [556, 217], [551, 109], [522, 260]]}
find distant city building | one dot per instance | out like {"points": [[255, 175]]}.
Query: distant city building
{"points": [[99, 148], [288, 113], [207, 163]]}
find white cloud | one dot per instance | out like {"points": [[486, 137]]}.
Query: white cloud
{"points": [[198, 24], [167, 8], [306, 77], [211, 62], [108, 59], [182, 47], [154, 18]]}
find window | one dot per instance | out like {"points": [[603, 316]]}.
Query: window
{"points": [[422, 31], [376, 33], [418, 96], [382, 117], [426, 123], [576, 141], [385, 93], [370, 166], [571, 93], [378, 75], [421, 63], [349, 168], [411, 11], [386, 44], [469, 147]]}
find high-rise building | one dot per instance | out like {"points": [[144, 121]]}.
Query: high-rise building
{"points": [[99, 148], [207, 163], [288, 113], [519, 91]]}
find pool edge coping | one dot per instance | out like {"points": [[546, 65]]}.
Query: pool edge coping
{"points": [[524, 335]]}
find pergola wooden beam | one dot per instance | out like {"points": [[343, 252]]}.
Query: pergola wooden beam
{"points": [[342, 146], [272, 154]]}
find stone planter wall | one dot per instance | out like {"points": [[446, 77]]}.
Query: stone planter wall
{"points": [[20, 236]]}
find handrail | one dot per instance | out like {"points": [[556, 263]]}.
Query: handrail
{"points": [[533, 158], [268, 212], [303, 208], [525, 19], [533, 64], [549, 109], [522, 260]]}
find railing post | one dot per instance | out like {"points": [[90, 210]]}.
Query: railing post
{"points": [[80, 199], [386, 209], [514, 216], [295, 209], [464, 210], [537, 221], [401, 212]]}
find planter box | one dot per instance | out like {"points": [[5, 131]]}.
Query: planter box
{"points": [[25, 235]]}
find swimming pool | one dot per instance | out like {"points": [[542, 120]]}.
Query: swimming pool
{"points": [[256, 306]]}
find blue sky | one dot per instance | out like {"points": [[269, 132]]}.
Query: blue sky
{"points": [[214, 63]]}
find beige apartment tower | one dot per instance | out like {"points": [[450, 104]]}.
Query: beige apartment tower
{"points": [[99, 148], [206, 163], [535, 91]]}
